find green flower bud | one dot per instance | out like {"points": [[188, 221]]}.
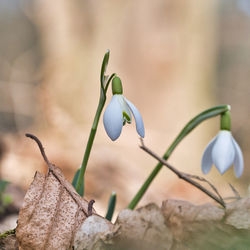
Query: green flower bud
{"points": [[116, 86], [225, 121]]}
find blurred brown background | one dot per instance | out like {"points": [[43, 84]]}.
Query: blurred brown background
{"points": [[175, 58]]}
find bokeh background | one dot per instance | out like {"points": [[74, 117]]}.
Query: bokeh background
{"points": [[175, 58]]}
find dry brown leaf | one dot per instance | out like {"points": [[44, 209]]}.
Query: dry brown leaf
{"points": [[184, 219], [9, 243], [177, 225], [186, 211], [144, 227], [238, 214], [204, 227], [52, 212], [93, 233]]}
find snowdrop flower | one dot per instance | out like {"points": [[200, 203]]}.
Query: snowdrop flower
{"points": [[118, 113], [223, 151]]}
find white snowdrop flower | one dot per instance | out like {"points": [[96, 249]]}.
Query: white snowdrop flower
{"points": [[118, 113], [223, 151]]}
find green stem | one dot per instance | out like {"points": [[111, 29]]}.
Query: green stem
{"points": [[209, 113], [225, 121], [90, 142], [101, 104], [78, 181]]}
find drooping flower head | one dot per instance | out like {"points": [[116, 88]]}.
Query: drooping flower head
{"points": [[223, 151], [118, 113]]}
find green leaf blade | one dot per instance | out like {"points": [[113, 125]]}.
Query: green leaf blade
{"points": [[74, 183], [111, 206]]}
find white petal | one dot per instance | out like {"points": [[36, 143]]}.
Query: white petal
{"points": [[223, 151], [138, 118], [113, 119], [238, 160], [206, 162]]}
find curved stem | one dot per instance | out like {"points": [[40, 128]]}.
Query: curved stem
{"points": [[209, 113]]}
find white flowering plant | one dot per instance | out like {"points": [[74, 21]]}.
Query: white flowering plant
{"points": [[223, 151]]}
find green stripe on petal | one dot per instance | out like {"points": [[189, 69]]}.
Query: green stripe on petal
{"points": [[126, 118]]}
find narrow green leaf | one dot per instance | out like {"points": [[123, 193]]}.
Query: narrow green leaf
{"points": [[104, 67], [108, 82], [111, 206], [74, 182]]}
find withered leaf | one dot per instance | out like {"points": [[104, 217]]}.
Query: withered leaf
{"points": [[186, 211], [52, 211], [93, 233], [185, 219], [9, 242], [238, 214], [177, 225], [206, 226], [144, 228]]}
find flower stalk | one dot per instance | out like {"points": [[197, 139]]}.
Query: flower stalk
{"points": [[105, 81], [225, 121]]}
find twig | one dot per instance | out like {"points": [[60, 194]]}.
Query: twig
{"points": [[90, 207], [231, 198], [58, 175], [186, 177], [40, 147], [205, 180], [236, 193]]}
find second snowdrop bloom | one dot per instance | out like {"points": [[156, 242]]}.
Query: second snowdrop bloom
{"points": [[118, 113], [223, 151]]}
